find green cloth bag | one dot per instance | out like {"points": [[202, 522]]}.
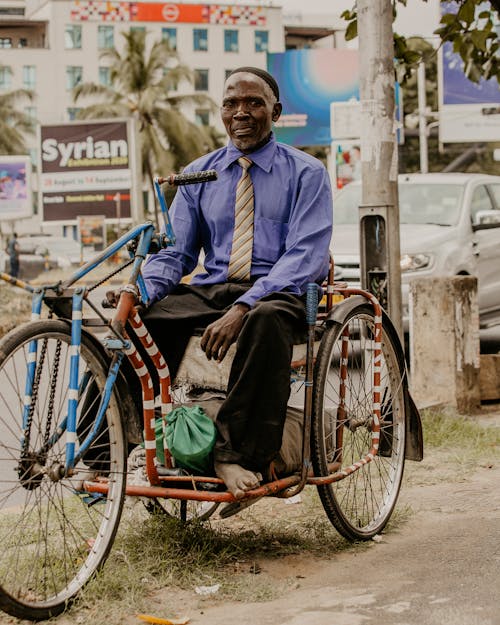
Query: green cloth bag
{"points": [[190, 436]]}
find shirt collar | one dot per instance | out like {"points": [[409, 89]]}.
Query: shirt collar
{"points": [[263, 157]]}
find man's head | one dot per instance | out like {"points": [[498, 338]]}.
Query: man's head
{"points": [[249, 106]]}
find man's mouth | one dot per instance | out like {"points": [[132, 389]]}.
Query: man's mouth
{"points": [[243, 130]]}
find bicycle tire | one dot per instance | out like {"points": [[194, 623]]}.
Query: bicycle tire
{"points": [[359, 505], [54, 535]]}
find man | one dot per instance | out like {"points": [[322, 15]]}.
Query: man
{"points": [[277, 202], [13, 251]]}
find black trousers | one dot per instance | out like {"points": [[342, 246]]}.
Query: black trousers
{"points": [[251, 419]]}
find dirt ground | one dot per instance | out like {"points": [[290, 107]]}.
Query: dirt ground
{"points": [[440, 566]]}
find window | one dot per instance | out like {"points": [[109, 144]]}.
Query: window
{"points": [[29, 76], [30, 111], [5, 77], [200, 39], [23, 42], [230, 41], [73, 113], [73, 37], [481, 201], [5, 42], [170, 36], [202, 117], [74, 76], [105, 37], [172, 84], [105, 76], [495, 190], [201, 79], [261, 41]]}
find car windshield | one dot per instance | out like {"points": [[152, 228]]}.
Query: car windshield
{"points": [[419, 203]]}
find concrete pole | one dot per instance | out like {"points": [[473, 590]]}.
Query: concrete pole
{"points": [[379, 217]]}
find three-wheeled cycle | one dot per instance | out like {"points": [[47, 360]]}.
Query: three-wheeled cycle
{"points": [[67, 419]]}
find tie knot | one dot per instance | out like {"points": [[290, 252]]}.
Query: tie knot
{"points": [[245, 162]]}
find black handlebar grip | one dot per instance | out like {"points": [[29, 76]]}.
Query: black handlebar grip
{"points": [[189, 178]]}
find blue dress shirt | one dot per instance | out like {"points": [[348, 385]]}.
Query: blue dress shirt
{"points": [[293, 214]]}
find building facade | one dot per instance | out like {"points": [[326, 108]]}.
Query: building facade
{"points": [[52, 45]]}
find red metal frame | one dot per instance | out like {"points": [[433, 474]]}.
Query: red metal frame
{"points": [[284, 487]]}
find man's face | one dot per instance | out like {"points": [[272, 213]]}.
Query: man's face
{"points": [[248, 109]]}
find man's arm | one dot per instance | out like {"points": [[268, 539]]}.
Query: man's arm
{"points": [[163, 271]]}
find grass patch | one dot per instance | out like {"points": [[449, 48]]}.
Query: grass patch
{"points": [[460, 436], [156, 552]]}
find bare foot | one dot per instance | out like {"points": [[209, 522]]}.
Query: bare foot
{"points": [[237, 479]]}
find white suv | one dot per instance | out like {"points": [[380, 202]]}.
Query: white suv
{"points": [[449, 225]]}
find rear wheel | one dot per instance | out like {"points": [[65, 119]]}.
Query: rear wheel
{"points": [[359, 505], [54, 534]]}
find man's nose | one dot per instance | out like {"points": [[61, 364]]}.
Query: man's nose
{"points": [[242, 109]]}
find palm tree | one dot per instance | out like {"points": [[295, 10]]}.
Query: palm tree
{"points": [[14, 124], [141, 87]]}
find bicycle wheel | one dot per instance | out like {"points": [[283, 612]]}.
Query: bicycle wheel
{"points": [[360, 505], [54, 535]]}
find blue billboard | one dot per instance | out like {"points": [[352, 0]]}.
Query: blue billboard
{"points": [[310, 80]]}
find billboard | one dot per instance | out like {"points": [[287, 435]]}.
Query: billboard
{"points": [[310, 80], [225, 14], [84, 167], [464, 104], [16, 200]]}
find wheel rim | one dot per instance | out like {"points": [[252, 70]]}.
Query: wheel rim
{"points": [[364, 500], [54, 535]]}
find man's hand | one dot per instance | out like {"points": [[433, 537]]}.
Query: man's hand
{"points": [[220, 334]]}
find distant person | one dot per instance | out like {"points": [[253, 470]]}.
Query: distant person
{"points": [[13, 252]]}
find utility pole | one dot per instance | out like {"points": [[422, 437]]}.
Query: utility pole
{"points": [[379, 215], [422, 119]]}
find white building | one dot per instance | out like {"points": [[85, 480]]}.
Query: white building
{"points": [[52, 45]]}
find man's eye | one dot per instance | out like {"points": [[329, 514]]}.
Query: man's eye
{"points": [[229, 104], [255, 103]]}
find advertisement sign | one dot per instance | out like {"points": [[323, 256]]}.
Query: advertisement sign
{"points": [[310, 80], [105, 11], [92, 232], [347, 163], [15, 187], [465, 105], [83, 167]]}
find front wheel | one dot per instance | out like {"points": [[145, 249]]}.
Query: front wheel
{"points": [[54, 534], [359, 505]]}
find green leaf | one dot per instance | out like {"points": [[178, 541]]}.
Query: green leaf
{"points": [[467, 11], [478, 38], [351, 31]]}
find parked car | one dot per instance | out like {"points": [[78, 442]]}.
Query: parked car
{"points": [[449, 225], [61, 252]]}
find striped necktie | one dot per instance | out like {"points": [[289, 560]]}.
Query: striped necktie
{"points": [[241, 252]]}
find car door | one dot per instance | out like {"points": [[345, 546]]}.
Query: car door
{"points": [[486, 247]]}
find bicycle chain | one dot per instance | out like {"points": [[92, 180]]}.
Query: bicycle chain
{"points": [[53, 383], [113, 273]]}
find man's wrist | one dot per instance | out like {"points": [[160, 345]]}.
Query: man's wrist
{"points": [[244, 308]]}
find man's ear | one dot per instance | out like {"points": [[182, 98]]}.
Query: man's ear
{"points": [[277, 108]]}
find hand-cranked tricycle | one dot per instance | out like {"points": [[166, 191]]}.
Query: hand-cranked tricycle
{"points": [[68, 423]]}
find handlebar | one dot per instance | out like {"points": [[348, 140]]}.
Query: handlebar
{"points": [[189, 178]]}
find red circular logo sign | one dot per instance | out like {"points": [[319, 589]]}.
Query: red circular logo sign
{"points": [[170, 12]]}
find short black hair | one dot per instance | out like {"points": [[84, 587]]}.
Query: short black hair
{"points": [[261, 73]]}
